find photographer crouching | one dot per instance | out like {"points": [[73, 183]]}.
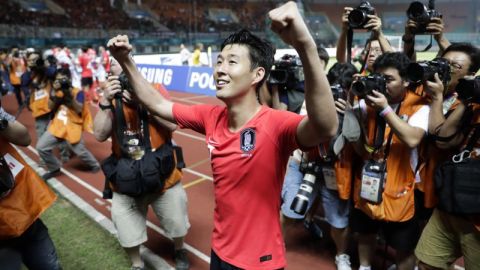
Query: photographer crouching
{"points": [[143, 169], [70, 117]]}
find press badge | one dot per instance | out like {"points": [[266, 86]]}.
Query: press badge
{"points": [[40, 94], [329, 177], [373, 179]]}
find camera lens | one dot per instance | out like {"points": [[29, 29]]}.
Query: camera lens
{"points": [[359, 88], [416, 11], [357, 18], [416, 72]]}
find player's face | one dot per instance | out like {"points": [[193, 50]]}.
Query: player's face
{"points": [[233, 75]]}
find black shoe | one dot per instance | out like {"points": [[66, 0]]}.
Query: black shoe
{"points": [[313, 228], [94, 169], [181, 260], [51, 174]]}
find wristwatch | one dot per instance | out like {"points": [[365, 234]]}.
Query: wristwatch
{"points": [[105, 107]]}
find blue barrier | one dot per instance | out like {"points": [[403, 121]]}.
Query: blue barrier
{"points": [[196, 80]]}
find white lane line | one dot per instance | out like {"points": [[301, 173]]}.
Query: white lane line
{"points": [[198, 174], [190, 248]]}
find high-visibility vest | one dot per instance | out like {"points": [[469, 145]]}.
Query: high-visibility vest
{"points": [[29, 198]]}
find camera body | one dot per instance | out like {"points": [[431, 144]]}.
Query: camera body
{"points": [[469, 89], [124, 83], [358, 17], [422, 15], [366, 84], [423, 71], [301, 201], [287, 74], [337, 91]]}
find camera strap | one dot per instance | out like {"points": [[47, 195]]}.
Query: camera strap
{"points": [[349, 44], [380, 134], [121, 124], [429, 45]]}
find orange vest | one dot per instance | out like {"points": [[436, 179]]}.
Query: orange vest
{"points": [[68, 125], [39, 100], [29, 198], [158, 136], [342, 167], [397, 199], [17, 68]]}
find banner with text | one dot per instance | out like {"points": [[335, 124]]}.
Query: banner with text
{"points": [[196, 80]]}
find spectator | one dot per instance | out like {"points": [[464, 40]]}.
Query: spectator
{"points": [[184, 55]]}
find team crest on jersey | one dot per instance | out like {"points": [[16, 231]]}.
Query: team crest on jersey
{"points": [[247, 140]]}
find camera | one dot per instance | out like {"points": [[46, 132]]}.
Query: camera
{"points": [[364, 85], [301, 201], [337, 91], [423, 71], [422, 15], [358, 17], [287, 74], [468, 89], [124, 83]]}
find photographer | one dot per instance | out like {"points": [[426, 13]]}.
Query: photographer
{"points": [[394, 123], [423, 20], [129, 212], [452, 119], [70, 117], [16, 68], [23, 198], [336, 173], [376, 44]]}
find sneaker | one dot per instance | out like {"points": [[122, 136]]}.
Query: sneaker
{"points": [[51, 174], [313, 228], [181, 260], [343, 262], [95, 169]]}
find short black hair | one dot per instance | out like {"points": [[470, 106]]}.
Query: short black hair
{"points": [[342, 73], [323, 54], [397, 60], [63, 71], [261, 51], [470, 50]]}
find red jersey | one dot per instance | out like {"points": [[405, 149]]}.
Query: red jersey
{"points": [[84, 60], [248, 170]]}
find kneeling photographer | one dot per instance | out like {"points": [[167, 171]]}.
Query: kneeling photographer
{"points": [[70, 117], [143, 169]]}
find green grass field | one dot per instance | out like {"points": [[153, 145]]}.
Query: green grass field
{"points": [[80, 242]]}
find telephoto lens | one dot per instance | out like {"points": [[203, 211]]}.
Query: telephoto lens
{"points": [[304, 195], [358, 17], [365, 85], [423, 71]]}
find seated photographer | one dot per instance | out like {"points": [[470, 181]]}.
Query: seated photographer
{"points": [[168, 203], [394, 123], [24, 196], [453, 123], [376, 44], [71, 117]]}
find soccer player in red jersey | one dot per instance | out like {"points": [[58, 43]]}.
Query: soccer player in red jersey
{"points": [[249, 143]]}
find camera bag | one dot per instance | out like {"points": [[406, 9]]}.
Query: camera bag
{"points": [[137, 177], [457, 181]]}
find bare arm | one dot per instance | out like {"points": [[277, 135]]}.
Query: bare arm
{"points": [[276, 103], [322, 121], [375, 24], [408, 39], [15, 132], [409, 135], [436, 27], [155, 103], [342, 39], [103, 122], [436, 117]]}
